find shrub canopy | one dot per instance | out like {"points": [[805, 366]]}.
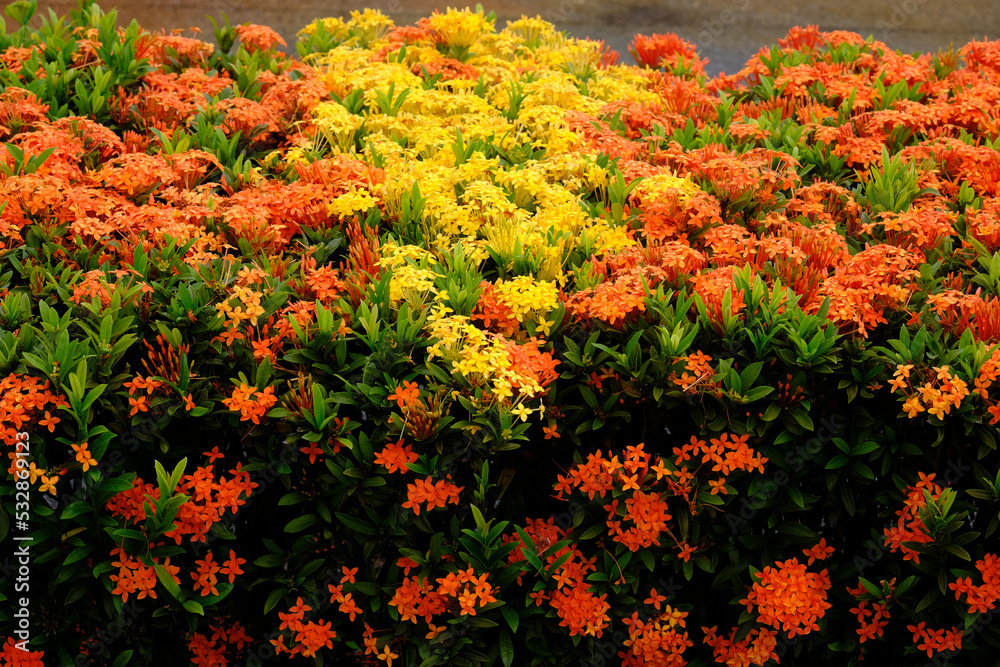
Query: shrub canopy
{"points": [[449, 344]]}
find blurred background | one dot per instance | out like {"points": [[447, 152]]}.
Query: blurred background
{"points": [[727, 32]]}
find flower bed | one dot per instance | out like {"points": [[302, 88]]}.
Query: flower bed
{"points": [[450, 344]]}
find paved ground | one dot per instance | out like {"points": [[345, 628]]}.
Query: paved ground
{"points": [[727, 32]]}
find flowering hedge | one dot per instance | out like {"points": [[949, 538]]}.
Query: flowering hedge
{"points": [[450, 344]]}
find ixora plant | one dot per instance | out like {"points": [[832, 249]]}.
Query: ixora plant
{"points": [[454, 344]]}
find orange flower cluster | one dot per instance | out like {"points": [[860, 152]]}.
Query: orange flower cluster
{"points": [[13, 656], [658, 642], [872, 619], [416, 598], [910, 527], [435, 494], [255, 37], [983, 597], [83, 456], [209, 498], [250, 402], [726, 453], [308, 637], [135, 577], [789, 598], [576, 605], [493, 312], [864, 286], [447, 68], [129, 503], [22, 399], [756, 648], [215, 650], [137, 384], [647, 510], [621, 295], [396, 457], [987, 375], [937, 396], [715, 287], [406, 395], [818, 552], [959, 311], [649, 515], [984, 224], [531, 365], [205, 577], [674, 213], [580, 610], [614, 302], [935, 641], [543, 534], [386, 654], [698, 372], [669, 51], [922, 227]]}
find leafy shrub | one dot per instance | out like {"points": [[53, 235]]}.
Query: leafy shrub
{"points": [[447, 344]]}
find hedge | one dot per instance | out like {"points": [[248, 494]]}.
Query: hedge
{"points": [[453, 344]]}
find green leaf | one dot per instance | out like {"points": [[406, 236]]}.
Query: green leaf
{"points": [[194, 607], [958, 551], [480, 521], [870, 587], [168, 582], [76, 509], [273, 599], [506, 648], [772, 412], [356, 524], [838, 461], [270, 560], [513, 620], [122, 658], [292, 498], [300, 523], [528, 549]]}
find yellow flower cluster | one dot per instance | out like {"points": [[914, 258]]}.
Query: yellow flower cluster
{"points": [[655, 187], [527, 298], [336, 125], [497, 152], [412, 279], [460, 28], [444, 136], [480, 357]]}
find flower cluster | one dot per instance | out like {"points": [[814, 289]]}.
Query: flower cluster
{"points": [[789, 598]]}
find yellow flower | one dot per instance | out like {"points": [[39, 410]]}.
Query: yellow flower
{"points": [[522, 412]]}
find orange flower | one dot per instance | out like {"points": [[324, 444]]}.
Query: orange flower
{"points": [[396, 457], [251, 408], [435, 494], [83, 456], [205, 579], [232, 566], [819, 552], [405, 395], [49, 422]]}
